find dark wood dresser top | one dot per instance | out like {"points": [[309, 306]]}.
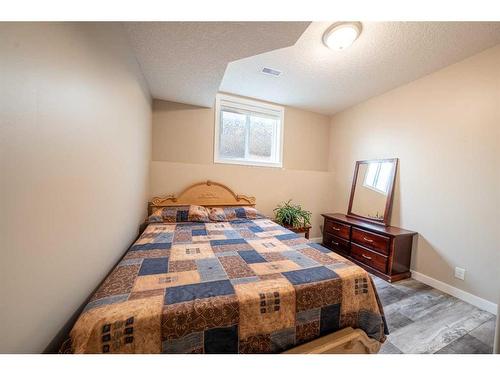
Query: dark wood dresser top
{"points": [[381, 229]]}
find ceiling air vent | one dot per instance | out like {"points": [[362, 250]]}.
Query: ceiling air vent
{"points": [[271, 72]]}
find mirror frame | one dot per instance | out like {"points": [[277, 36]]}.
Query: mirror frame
{"points": [[388, 203]]}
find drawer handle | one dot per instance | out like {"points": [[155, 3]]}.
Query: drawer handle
{"points": [[367, 239], [335, 243], [335, 228], [366, 257]]}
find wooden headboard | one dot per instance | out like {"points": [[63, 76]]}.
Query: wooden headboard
{"points": [[207, 193]]}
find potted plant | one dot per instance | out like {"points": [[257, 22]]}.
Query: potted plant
{"points": [[292, 215]]}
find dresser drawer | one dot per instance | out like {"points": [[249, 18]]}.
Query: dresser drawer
{"points": [[337, 229], [371, 240], [336, 244], [368, 257]]}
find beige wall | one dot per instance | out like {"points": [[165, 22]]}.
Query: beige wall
{"points": [[185, 133], [445, 129], [183, 154], [75, 121]]}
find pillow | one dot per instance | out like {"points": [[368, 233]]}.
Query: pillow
{"points": [[248, 213], [179, 214], [233, 213], [198, 213], [169, 215], [155, 217], [216, 214]]}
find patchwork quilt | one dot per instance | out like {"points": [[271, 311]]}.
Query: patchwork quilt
{"points": [[245, 286]]}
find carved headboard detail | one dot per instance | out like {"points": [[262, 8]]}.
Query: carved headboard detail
{"points": [[207, 193]]}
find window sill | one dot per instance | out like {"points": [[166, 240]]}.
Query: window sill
{"points": [[249, 163]]}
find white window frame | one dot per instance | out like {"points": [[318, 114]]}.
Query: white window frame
{"points": [[255, 106]]}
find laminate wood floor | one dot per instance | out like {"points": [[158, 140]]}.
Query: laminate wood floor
{"points": [[422, 319]]}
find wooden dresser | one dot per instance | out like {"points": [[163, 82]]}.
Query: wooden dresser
{"points": [[382, 250]]}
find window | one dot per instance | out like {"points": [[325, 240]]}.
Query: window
{"points": [[378, 176], [248, 132]]}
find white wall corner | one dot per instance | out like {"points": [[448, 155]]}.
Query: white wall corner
{"points": [[455, 292]]}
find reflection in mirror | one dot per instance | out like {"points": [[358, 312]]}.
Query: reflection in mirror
{"points": [[373, 188]]}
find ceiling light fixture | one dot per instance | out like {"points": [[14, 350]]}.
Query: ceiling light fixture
{"points": [[341, 35]]}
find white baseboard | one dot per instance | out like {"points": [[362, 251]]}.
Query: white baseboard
{"points": [[316, 239], [455, 292]]}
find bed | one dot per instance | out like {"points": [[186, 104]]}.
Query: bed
{"points": [[246, 285]]}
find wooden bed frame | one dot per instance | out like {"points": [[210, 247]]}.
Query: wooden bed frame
{"points": [[206, 193], [209, 193]]}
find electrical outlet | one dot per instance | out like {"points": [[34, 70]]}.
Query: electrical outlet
{"points": [[460, 273]]}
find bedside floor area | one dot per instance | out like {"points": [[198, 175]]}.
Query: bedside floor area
{"points": [[422, 319]]}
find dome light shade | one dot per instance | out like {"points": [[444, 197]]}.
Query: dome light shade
{"points": [[341, 35]]}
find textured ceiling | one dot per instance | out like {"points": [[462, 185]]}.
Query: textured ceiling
{"points": [[185, 61], [386, 55]]}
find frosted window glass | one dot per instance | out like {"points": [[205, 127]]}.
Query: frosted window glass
{"points": [[232, 135], [383, 177], [371, 174], [260, 138]]}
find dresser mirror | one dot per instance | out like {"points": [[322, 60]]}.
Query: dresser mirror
{"points": [[372, 189]]}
